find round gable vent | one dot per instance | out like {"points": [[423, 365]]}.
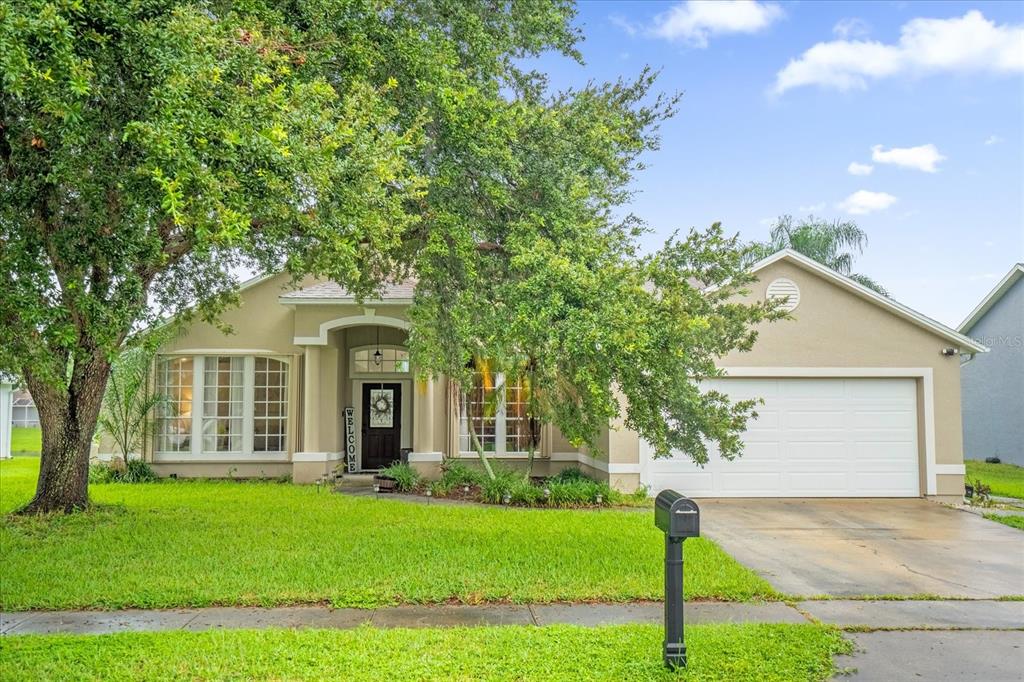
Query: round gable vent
{"points": [[783, 288]]}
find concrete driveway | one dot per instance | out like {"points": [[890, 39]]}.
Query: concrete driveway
{"points": [[868, 546]]}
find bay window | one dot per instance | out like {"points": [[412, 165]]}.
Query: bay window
{"points": [[239, 408]]}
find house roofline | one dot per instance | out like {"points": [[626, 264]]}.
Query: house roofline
{"points": [[885, 302], [993, 297], [347, 300]]}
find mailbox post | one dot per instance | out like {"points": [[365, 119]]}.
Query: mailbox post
{"points": [[679, 518]]}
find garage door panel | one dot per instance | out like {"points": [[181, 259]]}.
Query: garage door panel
{"points": [[817, 389], [882, 389], [815, 420], [813, 438], [750, 483], [818, 484], [801, 452], [883, 419]]}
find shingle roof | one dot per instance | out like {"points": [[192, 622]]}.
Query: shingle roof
{"points": [[331, 291]]}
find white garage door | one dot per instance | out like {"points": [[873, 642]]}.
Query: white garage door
{"points": [[812, 438]]}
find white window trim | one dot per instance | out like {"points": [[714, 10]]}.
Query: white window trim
{"points": [[500, 427], [373, 346], [196, 453]]}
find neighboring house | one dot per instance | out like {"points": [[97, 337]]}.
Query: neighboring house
{"points": [[24, 412], [862, 397], [993, 384]]}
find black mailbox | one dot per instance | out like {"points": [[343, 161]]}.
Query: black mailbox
{"points": [[679, 518], [676, 515]]}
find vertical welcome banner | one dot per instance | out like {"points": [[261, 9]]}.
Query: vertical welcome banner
{"points": [[350, 440]]}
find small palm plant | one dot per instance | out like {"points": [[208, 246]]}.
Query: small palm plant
{"points": [[127, 411]]}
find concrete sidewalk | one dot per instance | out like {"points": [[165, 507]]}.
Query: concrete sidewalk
{"points": [[981, 614]]}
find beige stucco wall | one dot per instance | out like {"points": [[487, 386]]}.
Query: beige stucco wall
{"points": [[833, 327]]}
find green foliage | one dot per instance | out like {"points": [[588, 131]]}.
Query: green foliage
{"points": [[830, 243], [406, 478], [132, 471], [494, 489], [568, 475], [620, 653], [101, 473], [579, 492], [149, 149], [1011, 520], [1006, 480], [26, 440], [128, 408], [457, 473], [263, 543]]}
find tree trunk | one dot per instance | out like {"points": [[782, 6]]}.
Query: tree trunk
{"points": [[68, 420]]}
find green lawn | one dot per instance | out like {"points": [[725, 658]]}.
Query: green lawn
{"points": [[26, 439], [182, 543], [1014, 521], [1006, 480], [733, 653]]}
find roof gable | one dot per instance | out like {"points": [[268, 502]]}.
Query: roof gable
{"points": [[993, 297], [964, 343]]}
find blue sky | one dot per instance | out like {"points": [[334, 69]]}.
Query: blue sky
{"points": [[770, 126]]}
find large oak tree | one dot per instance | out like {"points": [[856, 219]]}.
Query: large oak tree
{"points": [[148, 147]]}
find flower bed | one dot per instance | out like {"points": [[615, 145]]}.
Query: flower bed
{"points": [[569, 488]]}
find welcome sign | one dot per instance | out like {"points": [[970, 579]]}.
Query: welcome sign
{"points": [[350, 440]]}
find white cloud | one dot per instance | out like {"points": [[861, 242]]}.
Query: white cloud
{"points": [[970, 43], [695, 21], [851, 27], [859, 168], [923, 158], [630, 28], [864, 201], [813, 208], [993, 139]]}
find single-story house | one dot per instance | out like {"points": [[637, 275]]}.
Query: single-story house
{"points": [[24, 410], [993, 384], [862, 397]]}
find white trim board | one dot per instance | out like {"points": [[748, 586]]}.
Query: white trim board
{"points": [[350, 321], [922, 373], [317, 456], [993, 297], [415, 457]]}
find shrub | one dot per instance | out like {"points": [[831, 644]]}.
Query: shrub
{"points": [[577, 493], [455, 472], [132, 471], [440, 488], [406, 478], [100, 473], [493, 490], [526, 493], [137, 471], [569, 475]]}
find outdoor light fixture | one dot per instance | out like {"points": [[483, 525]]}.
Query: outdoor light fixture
{"points": [[547, 493], [600, 497], [950, 351], [378, 357], [506, 498], [376, 488], [465, 488]]}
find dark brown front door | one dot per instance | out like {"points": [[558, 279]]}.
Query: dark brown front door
{"points": [[382, 424]]}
